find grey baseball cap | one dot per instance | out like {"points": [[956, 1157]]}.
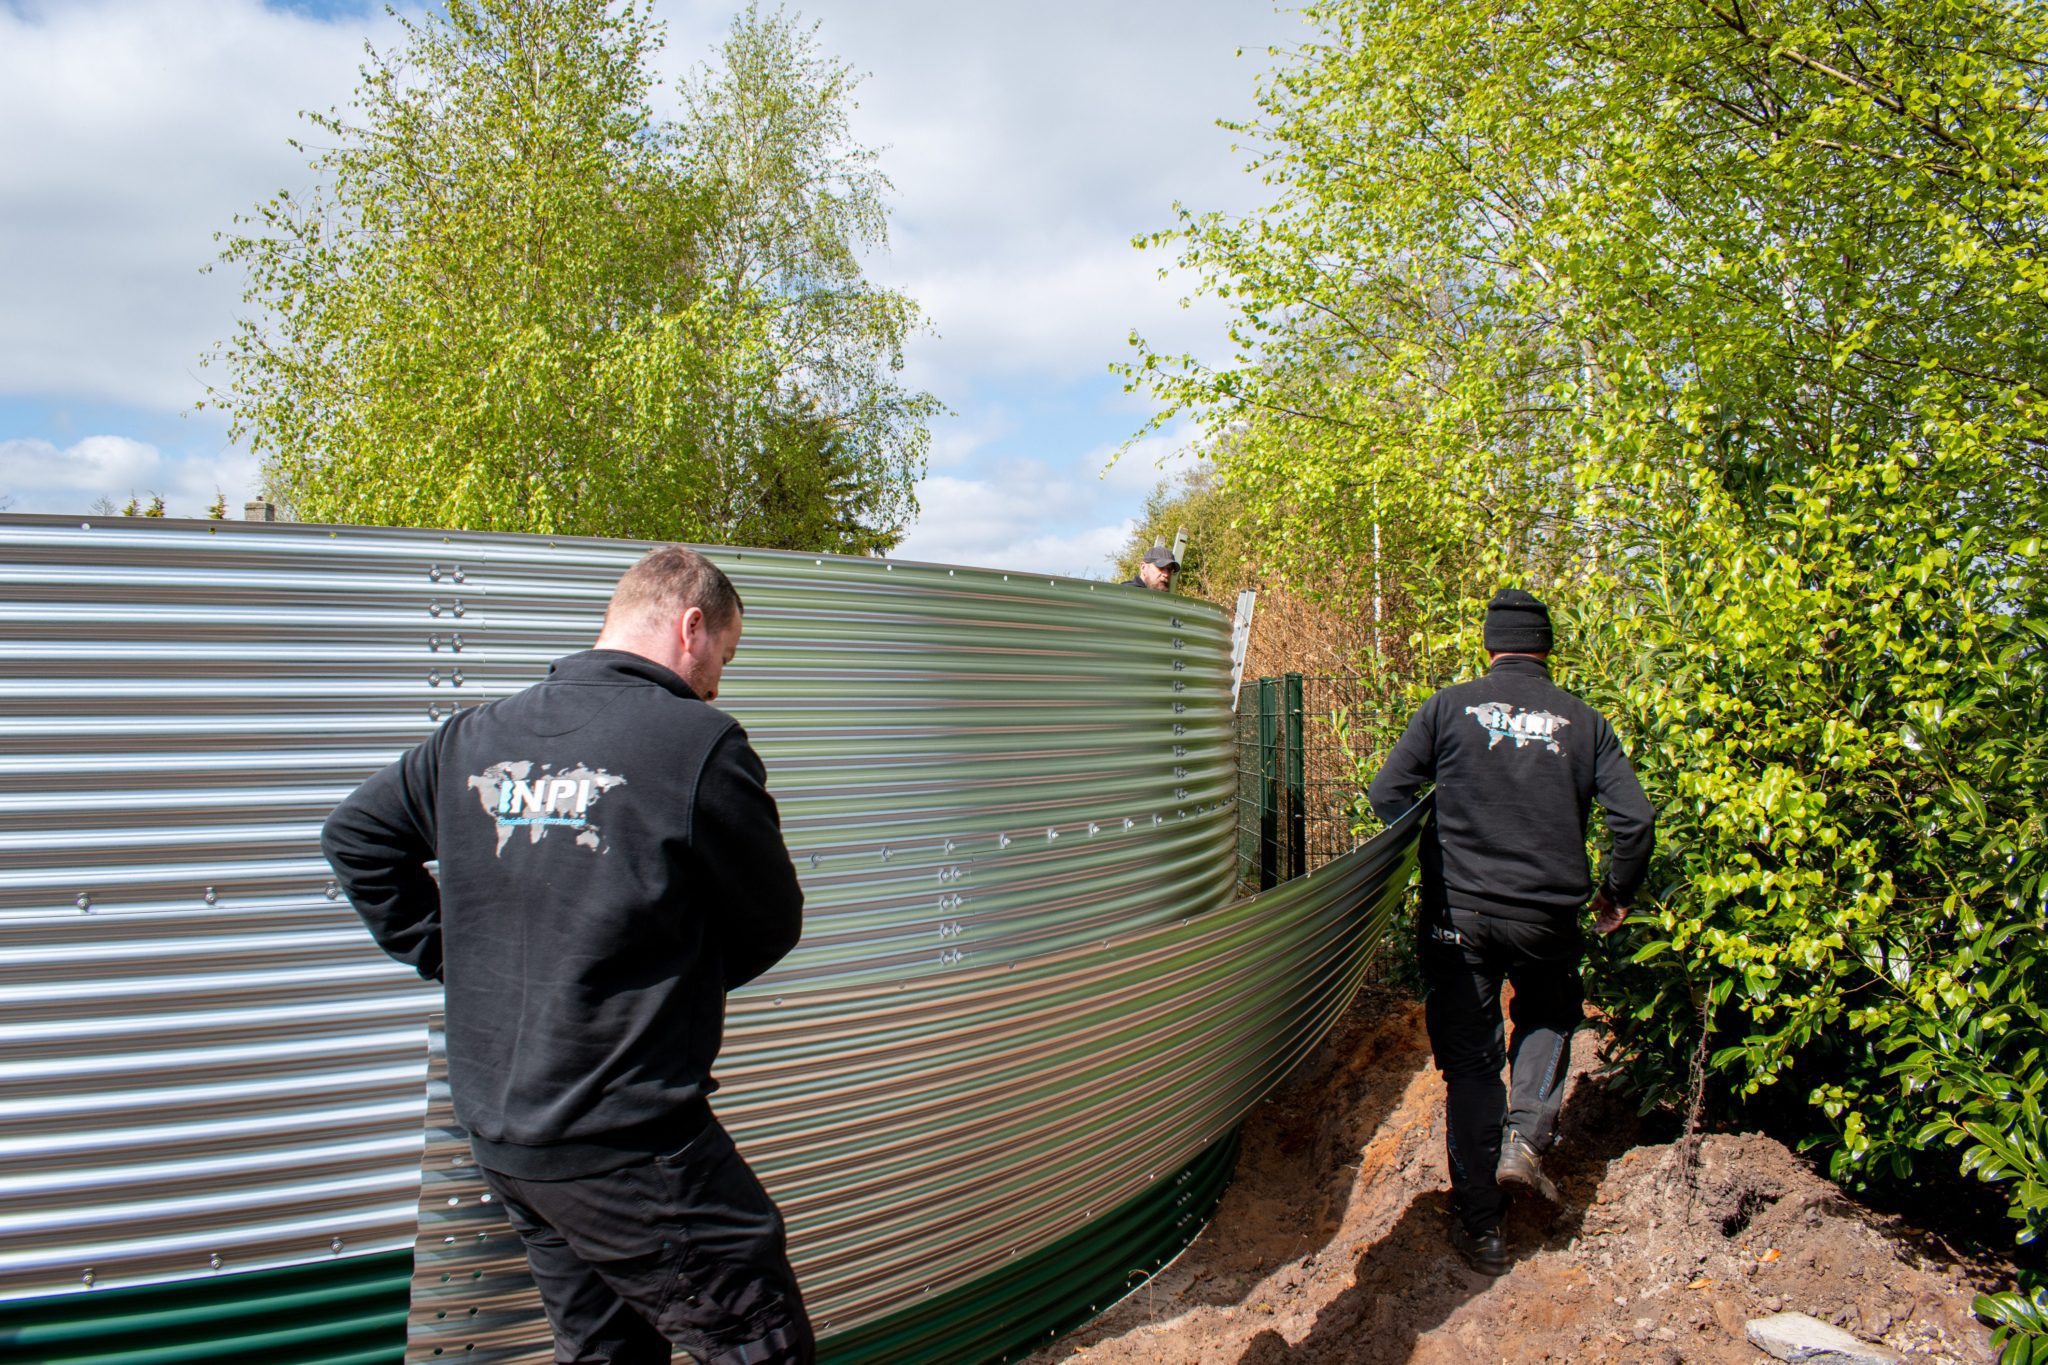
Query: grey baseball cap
{"points": [[1159, 557]]}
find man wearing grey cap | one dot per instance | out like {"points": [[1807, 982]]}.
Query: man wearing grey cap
{"points": [[1517, 763], [1155, 570]]}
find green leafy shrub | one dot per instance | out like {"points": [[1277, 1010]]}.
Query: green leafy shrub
{"points": [[1841, 717]]}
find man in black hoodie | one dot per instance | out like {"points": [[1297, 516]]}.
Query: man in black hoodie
{"points": [[611, 865], [1517, 763]]}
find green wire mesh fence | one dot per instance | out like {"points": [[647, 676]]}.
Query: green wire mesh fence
{"points": [[1307, 747]]}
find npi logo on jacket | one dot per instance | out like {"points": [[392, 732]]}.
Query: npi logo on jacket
{"points": [[1502, 721], [516, 798]]}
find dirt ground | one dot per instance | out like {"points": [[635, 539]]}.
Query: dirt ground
{"points": [[1330, 1247]]}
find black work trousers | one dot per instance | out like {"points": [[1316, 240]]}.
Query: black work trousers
{"points": [[1465, 957], [684, 1249]]}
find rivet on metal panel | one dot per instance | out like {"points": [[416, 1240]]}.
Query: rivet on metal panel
{"points": [[434, 608], [1002, 841], [214, 1260], [1051, 835], [434, 711], [949, 845], [433, 643], [336, 1245], [333, 891], [434, 678], [458, 573], [778, 999], [1094, 828], [433, 573], [457, 608], [1158, 819], [1176, 624], [84, 902], [85, 526], [453, 1200], [212, 897], [885, 853], [88, 1277], [484, 1198], [1129, 823], [456, 677], [455, 643], [814, 860]]}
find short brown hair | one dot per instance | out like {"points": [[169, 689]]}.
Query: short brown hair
{"points": [[668, 581]]}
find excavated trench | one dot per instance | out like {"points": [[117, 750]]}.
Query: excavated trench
{"points": [[1329, 1247]]}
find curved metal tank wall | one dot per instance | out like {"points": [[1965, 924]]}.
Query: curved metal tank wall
{"points": [[1020, 999]]}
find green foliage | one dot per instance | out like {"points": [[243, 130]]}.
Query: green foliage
{"points": [[518, 301], [1724, 327], [2019, 1322]]}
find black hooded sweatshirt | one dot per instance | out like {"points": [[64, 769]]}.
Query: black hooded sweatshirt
{"points": [[1517, 762], [611, 863]]}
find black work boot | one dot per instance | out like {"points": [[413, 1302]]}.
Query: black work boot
{"points": [[1519, 1166], [1486, 1252]]}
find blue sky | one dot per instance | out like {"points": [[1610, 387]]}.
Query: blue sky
{"points": [[1027, 147]]}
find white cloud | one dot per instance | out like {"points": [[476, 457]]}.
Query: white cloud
{"points": [[1141, 464], [1027, 144], [136, 130], [1021, 514], [41, 477]]}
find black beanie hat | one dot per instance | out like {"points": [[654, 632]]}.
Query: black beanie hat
{"points": [[1517, 623]]}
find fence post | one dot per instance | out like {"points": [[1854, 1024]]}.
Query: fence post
{"points": [[1297, 813], [1269, 782]]}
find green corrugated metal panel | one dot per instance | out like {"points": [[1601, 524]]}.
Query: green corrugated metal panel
{"points": [[1010, 1311], [339, 1312], [352, 1312], [1019, 1000]]}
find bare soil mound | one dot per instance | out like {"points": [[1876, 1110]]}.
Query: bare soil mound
{"points": [[1330, 1247]]}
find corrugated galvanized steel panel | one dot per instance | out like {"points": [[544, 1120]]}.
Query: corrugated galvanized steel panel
{"points": [[922, 1139], [1002, 791]]}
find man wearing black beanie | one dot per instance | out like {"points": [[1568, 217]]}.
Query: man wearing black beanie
{"points": [[1517, 763]]}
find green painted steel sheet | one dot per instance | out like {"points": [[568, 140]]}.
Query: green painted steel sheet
{"points": [[348, 1311]]}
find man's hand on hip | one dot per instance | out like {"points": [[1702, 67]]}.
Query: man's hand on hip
{"points": [[1607, 916]]}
